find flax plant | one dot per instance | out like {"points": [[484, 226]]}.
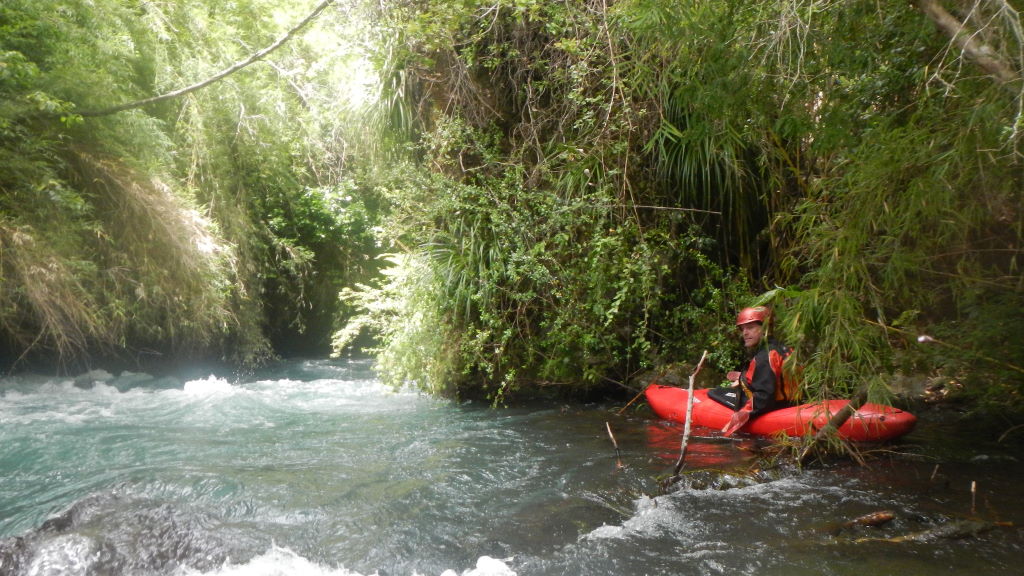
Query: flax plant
{"points": [[619, 163]]}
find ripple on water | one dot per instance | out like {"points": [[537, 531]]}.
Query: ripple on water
{"points": [[319, 469]]}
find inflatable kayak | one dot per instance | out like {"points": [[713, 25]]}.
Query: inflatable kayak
{"points": [[871, 423]]}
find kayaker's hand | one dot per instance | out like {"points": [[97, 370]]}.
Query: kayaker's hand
{"points": [[736, 422], [733, 376]]}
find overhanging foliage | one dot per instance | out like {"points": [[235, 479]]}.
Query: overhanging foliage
{"points": [[851, 151], [185, 223]]}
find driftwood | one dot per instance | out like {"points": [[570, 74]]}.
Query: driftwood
{"points": [[686, 427], [953, 530], [628, 404], [618, 458], [873, 519]]}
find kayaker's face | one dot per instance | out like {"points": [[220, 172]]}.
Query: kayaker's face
{"points": [[751, 332]]}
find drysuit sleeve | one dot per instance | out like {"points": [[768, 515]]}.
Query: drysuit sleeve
{"points": [[760, 379]]}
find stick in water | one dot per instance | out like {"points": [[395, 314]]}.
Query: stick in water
{"points": [[618, 460], [686, 427], [635, 398]]}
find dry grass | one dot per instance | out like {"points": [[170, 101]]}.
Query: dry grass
{"points": [[162, 254], [37, 279], [138, 268]]}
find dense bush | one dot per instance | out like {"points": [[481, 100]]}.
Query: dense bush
{"points": [[568, 193], [608, 172], [207, 225]]}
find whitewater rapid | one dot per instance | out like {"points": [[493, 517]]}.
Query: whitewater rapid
{"points": [[314, 467]]}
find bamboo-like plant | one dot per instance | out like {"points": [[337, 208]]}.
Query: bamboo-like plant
{"points": [[204, 223], [838, 149]]}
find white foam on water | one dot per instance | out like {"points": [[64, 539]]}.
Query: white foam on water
{"points": [[211, 386], [485, 566], [670, 513], [67, 555], [280, 561], [277, 561], [100, 396], [651, 516]]}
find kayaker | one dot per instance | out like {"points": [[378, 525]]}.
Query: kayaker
{"points": [[760, 387]]}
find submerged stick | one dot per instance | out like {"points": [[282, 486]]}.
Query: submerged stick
{"points": [[954, 530], [618, 460], [1008, 432], [635, 398], [872, 519], [686, 427]]}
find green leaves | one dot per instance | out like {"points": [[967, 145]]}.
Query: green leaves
{"points": [[610, 170], [196, 226]]}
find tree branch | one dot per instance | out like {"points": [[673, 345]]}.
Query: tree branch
{"points": [[218, 76], [982, 54], [666, 483], [831, 429]]}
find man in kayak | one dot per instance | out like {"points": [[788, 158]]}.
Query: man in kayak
{"points": [[761, 387]]}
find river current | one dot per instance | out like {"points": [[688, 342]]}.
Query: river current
{"points": [[313, 467]]}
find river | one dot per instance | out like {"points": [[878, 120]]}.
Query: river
{"points": [[313, 467]]}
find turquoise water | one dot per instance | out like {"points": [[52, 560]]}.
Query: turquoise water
{"points": [[314, 467]]}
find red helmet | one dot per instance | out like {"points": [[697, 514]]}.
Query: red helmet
{"points": [[755, 314]]}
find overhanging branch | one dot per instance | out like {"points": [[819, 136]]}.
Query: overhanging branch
{"points": [[981, 54], [218, 76]]}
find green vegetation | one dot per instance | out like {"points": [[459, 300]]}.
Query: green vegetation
{"points": [[209, 226], [613, 180], [561, 195]]}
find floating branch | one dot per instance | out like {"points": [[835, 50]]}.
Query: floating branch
{"points": [[831, 429]]}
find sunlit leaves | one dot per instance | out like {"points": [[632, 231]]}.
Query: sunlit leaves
{"points": [[197, 217]]}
